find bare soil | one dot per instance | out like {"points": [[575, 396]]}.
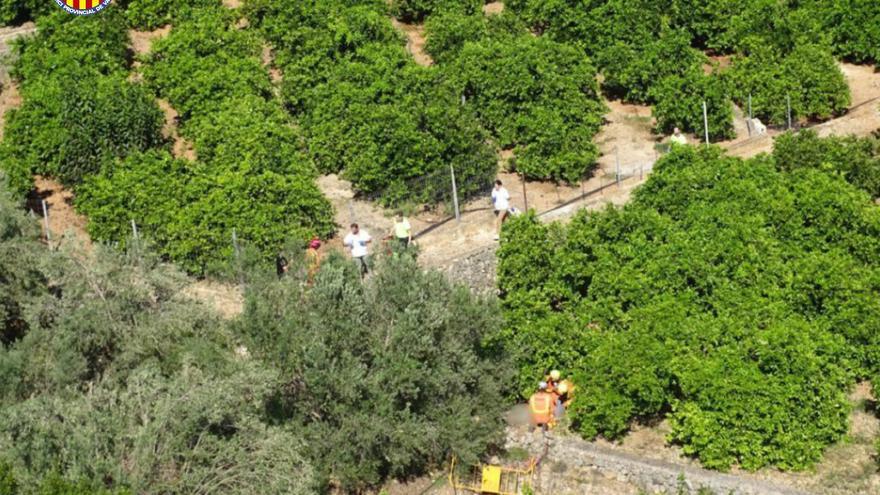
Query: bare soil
{"points": [[64, 222], [625, 138], [232, 4], [142, 41], [493, 8], [226, 299], [268, 59], [9, 33], [9, 98], [415, 41], [181, 148]]}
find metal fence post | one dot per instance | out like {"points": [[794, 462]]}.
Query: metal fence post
{"points": [[455, 193], [617, 161], [135, 237], [237, 251], [706, 120], [788, 105], [750, 115], [525, 195], [46, 220]]}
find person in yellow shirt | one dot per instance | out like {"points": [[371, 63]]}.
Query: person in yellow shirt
{"points": [[402, 231]]}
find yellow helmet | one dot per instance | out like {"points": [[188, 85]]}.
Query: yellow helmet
{"points": [[554, 375], [562, 388]]}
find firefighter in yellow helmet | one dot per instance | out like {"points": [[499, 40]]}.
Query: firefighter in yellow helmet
{"points": [[565, 394], [541, 407], [552, 380]]}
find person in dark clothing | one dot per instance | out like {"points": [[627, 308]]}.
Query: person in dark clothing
{"points": [[281, 265]]}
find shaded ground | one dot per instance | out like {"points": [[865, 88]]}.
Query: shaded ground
{"points": [[142, 41], [9, 99], [141, 44], [226, 299], [63, 220], [493, 8], [415, 41], [268, 59], [181, 147]]}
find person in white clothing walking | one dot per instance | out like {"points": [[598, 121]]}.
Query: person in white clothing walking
{"points": [[357, 241], [501, 204]]}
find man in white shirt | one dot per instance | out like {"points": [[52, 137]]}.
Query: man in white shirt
{"points": [[501, 204], [357, 240]]}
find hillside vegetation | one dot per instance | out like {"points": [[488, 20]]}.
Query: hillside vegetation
{"points": [[351, 100], [110, 380], [739, 298]]}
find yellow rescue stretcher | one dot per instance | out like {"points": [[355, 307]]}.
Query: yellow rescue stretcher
{"points": [[491, 479]]}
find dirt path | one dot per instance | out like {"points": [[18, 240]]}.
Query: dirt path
{"points": [[9, 98], [227, 300], [141, 44], [862, 119], [181, 147], [493, 8], [625, 139], [415, 41], [268, 58], [64, 222], [142, 41], [9, 95]]}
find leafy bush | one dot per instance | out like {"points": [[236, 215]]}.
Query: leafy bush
{"points": [[79, 112], [19, 11], [384, 377], [249, 133], [593, 25], [189, 210], [152, 14], [809, 75], [117, 381], [57, 51], [417, 10], [252, 176], [631, 72], [857, 159], [448, 32], [206, 61], [854, 27], [679, 103], [367, 110], [70, 128], [537, 96], [738, 299]]}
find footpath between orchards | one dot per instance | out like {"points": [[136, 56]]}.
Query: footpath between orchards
{"points": [[466, 251], [626, 138]]}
